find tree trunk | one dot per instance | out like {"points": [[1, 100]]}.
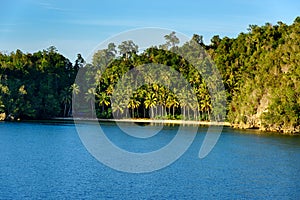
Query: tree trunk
{"points": [[65, 109], [208, 115], [152, 113], [173, 111], [70, 110]]}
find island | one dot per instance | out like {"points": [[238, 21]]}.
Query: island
{"points": [[260, 71]]}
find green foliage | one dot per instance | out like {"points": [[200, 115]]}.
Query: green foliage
{"points": [[33, 85], [154, 99], [260, 70]]}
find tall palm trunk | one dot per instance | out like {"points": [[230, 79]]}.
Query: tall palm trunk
{"points": [[152, 112], [173, 111], [92, 107], [65, 109]]}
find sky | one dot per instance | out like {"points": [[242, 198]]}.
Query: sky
{"points": [[79, 26]]}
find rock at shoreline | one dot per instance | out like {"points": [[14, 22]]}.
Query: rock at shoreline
{"points": [[2, 116]]}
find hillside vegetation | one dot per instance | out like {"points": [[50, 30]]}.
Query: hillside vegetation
{"points": [[260, 71]]}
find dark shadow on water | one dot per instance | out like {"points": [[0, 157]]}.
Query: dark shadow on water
{"points": [[142, 123]]}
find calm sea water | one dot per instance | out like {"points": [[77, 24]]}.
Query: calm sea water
{"points": [[48, 161]]}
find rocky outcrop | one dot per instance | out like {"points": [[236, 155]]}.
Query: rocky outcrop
{"points": [[255, 121]]}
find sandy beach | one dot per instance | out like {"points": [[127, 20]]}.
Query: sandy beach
{"points": [[157, 121]]}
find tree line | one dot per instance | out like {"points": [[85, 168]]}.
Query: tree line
{"points": [[161, 96], [259, 69], [261, 73], [36, 86]]}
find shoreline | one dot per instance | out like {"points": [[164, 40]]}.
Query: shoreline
{"points": [[177, 122], [257, 131], [155, 121]]}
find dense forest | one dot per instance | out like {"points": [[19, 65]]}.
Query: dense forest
{"points": [[36, 86], [260, 71]]}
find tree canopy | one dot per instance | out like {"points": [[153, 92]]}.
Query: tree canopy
{"points": [[35, 86], [260, 70]]}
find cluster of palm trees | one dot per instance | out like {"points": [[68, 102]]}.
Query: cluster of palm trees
{"points": [[151, 101], [120, 92]]}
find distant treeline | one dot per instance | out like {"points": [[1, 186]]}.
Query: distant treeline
{"points": [[260, 70]]}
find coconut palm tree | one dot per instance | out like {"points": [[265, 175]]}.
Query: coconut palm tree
{"points": [[206, 106], [150, 102], [90, 97], [118, 108], [103, 100], [133, 104], [66, 99], [162, 100], [75, 91], [172, 102]]}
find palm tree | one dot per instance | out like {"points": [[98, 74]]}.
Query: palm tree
{"points": [[183, 99], [103, 100], [175, 105], [141, 94], [155, 88], [206, 106], [90, 97], [133, 104], [109, 90], [195, 106], [66, 99], [172, 102], [162, 100], [202, 94], [75, 91], [118, 107], [150, 102]]}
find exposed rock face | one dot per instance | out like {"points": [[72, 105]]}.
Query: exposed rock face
{"points": [[262, 108], [283, 130], [255, 121]]}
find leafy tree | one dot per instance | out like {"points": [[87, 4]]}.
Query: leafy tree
{"points": [[127, 49]]}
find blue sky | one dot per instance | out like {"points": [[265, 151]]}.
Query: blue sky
{"points": [[79, 26]]}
